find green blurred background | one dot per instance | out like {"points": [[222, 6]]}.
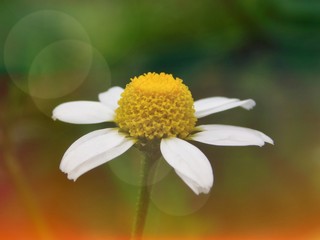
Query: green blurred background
{"points": [[57, 51]]}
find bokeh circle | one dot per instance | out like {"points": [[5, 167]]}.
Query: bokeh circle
{"points": [[27, 39], [172, 196], [96, 80], [127, 167], [59, 69]]}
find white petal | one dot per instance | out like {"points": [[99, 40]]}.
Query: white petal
{"points": [[207, 106], [81, 141], [189, 163], [224, 135], [92, 150], [89, 145], [111, 97], [81, 112], [195, 187], [99, 160]]}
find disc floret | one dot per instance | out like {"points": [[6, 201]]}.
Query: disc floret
{"points": [[155, 106]]}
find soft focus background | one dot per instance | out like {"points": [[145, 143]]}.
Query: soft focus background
{"points": [[57, 51]]}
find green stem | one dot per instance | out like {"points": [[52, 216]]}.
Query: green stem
{"points": [[143, 197]]}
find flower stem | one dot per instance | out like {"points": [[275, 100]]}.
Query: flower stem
{"points": [[143, 197]]}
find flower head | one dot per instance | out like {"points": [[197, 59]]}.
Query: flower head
{"points": [[156, 106], [153, 108]]}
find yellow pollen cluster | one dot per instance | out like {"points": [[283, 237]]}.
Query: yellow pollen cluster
{"points": [[156, 106]]}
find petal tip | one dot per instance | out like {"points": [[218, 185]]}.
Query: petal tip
{"points": [[270, 142], [70, 177], [203, 190], [206, 191], [54, 115], [249, 104], [267, 139]]}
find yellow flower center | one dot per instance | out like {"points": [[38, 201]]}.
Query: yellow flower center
{"points": [[156, 106]]}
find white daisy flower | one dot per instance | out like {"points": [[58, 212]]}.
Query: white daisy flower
{"points": [[153, 110]]}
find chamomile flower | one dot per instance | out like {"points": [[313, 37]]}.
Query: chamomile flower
{"points": [[154, 110]]}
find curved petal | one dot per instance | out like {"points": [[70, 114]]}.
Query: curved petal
{"points": [[81, 141], [111, 97], [225, 135], [207, 106], [92, 150], [82, 112], [99, 160], [189, 163]]}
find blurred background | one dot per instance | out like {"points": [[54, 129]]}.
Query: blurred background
{"points": [[57, 51]]}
